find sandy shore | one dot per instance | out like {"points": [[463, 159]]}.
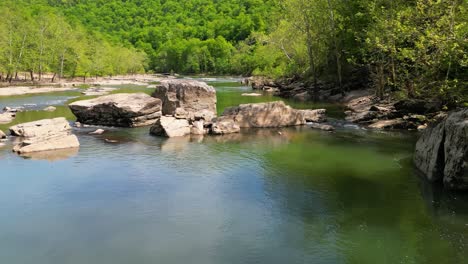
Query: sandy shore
{"points": [[67, 85]]}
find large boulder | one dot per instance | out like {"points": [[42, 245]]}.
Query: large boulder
{"points": [[272, 114], [121, 110], [2, 135], [44, 135], [442, 151], [186, 96], [7, 117], [168, 126]]}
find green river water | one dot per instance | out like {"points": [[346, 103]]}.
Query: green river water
{"points": [[299, 196]]}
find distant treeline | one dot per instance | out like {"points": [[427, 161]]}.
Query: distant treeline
{"points": [[409, 48], [37, 39]]}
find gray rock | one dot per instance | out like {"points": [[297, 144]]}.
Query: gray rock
{"points": [[442, 151], [222, 127], [98, 132], [44, 135], [121, 110], [317, 115], [7, 117], [388, 124], [168, 126], [273, 114], [50, 109], [191, 96], [198, 128]]}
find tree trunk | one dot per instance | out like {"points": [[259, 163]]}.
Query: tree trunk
{"points": [[31, 73], [53, 77]]}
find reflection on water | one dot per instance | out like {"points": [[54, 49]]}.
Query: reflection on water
{"points": [[292, 195]]}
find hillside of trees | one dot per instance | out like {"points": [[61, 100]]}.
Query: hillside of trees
{"points": [[36, 39], [413, 48]]}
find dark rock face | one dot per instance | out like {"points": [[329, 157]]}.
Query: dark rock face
{"points": [[442, 151], [186, 96], [121, 110]]}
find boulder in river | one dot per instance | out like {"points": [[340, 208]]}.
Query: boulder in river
{"points": [[44, 135], [186, 96], [272, 114], [121, 110], [442, 151], [226, 126], [169, 126], [2, 135]]}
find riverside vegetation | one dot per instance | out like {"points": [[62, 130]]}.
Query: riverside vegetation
{"points": [[403, 49]]}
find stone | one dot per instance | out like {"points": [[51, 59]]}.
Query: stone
{"points": [[50, 109], [198, 128], [168, 126], [322, 127], [422, 127], [317, 115], [361, 117], [180, 113], [121, 110], [388, 124], [44, 135], [98, 132], [41, 128], [7, 117], [442, 151], [262, 115], [2, 135], [251, 94], [192, 96], [222, 127]]}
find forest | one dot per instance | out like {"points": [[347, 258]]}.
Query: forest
{"points": [[409, 48]]}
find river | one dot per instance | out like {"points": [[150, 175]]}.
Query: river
{"points": [[298, 196]]}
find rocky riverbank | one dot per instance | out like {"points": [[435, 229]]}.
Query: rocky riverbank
{"points": [[362, 106]]}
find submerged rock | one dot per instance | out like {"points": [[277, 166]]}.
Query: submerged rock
{"points": [[44, 135], [323, 127], [273, 114], [50, 109], [442, 151], [168, 126], [186, 96], [122, 110], [98, 132]]}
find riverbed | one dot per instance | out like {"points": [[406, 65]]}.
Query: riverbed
{"points": [[289, 195]]}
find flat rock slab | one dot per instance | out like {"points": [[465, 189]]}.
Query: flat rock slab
{"points": [[442, 151], [41, 128], [121, 110], [191, 96], [44, 135]]}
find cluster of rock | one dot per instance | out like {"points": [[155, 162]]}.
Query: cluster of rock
{"points": [[122, 110], [442, 151], [368, 110], [44, 135], [187, 107]]}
